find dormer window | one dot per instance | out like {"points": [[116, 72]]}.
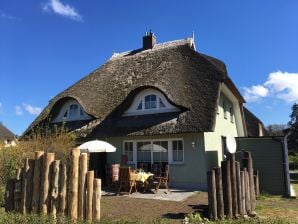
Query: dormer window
{"points": [[150, 101], [74, 111], [71, 111]]}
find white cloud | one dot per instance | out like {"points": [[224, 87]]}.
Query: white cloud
{"points": [[62, 9], [1, 108], [18, 110], [4, 15], [255, 93], [31, 109], [284, 85], [281, 85]]}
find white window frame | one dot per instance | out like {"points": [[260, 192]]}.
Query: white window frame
{"points": [[170, 150], [66, 107], [140, 97]]}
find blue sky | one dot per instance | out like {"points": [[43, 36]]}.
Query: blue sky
{"points": [[47, 45]]}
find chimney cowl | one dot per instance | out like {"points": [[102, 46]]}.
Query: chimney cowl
{"points": [[149, 40]]}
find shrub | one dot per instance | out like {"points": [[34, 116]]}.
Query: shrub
{"points": [[55, 139], [49, 138]]}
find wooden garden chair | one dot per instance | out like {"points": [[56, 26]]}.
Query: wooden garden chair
{"points": [[162, 180], [126, 180]]}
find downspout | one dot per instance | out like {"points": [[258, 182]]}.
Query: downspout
{"points": [[286, 164], [284, 144]]}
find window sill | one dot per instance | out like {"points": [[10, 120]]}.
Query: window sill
{"points": [[176, 163]]}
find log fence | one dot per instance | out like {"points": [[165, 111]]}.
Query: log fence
{"points": [[47, 186], [232, 192]]}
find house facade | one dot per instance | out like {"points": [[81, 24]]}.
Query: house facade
{"points": [[164, 103], [7, 138]]}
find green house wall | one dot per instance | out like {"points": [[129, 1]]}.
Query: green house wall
{"points": [[190, 174], [267, 154]]}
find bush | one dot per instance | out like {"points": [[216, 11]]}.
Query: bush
{"points": [[293, 161], [49, 138], [55, 139], [10, 160]]}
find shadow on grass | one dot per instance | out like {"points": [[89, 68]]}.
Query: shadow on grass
{"points": [[202, 209]]}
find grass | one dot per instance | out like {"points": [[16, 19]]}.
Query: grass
{"points": [[127, 210]]}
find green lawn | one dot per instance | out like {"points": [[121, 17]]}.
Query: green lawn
{"points": [[115, 209]]}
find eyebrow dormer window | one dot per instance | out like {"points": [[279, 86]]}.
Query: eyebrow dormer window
{"points": [[71, 111], [150, 101]]}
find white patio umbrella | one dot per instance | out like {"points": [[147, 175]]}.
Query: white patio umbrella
{"points": [[97, 146]]}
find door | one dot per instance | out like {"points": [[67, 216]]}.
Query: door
{"points": [[97, 163]]}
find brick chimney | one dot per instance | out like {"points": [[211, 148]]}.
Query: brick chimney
{"points": [[149, 40]]}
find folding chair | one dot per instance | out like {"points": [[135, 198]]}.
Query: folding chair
{"points": [[126, 180], [162, 180]]}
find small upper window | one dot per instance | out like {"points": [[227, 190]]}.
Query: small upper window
{"points": [[161, 104], [140, 105], [232, 114], [224, 109], [150, 101], [71, 111]]}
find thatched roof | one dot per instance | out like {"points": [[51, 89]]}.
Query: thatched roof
{"points": [[190, 80], [5, 133], [253, 124]]}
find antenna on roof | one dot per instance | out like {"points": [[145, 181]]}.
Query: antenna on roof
{"points": [[193, 40]]}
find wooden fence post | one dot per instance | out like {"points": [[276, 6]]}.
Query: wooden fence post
{"points": [[242, 177], [239, 190], [55, 188], [62, 188], [82, 185], [24, 186], [96, 199], [90, 180], [247, 162], [73, 184], [36, 181], [18, 191], [256, 181], [219, 193], [45, 180], [9, 195], [212, 195], [226, 185], [247, 193], [234, 184]]}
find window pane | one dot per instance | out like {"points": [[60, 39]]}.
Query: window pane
{"points": [[144, 152], [128, 150], [177, 151], [140, 106], [150, 102], [160, 151], [153, 104], [65, 114], [152, 97], [231, 114], [73, 111], [161, 104], [147, 98], [81, 112], [147, 105]]}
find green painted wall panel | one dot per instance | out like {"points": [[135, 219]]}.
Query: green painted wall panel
{"points": [[267, 156]]}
